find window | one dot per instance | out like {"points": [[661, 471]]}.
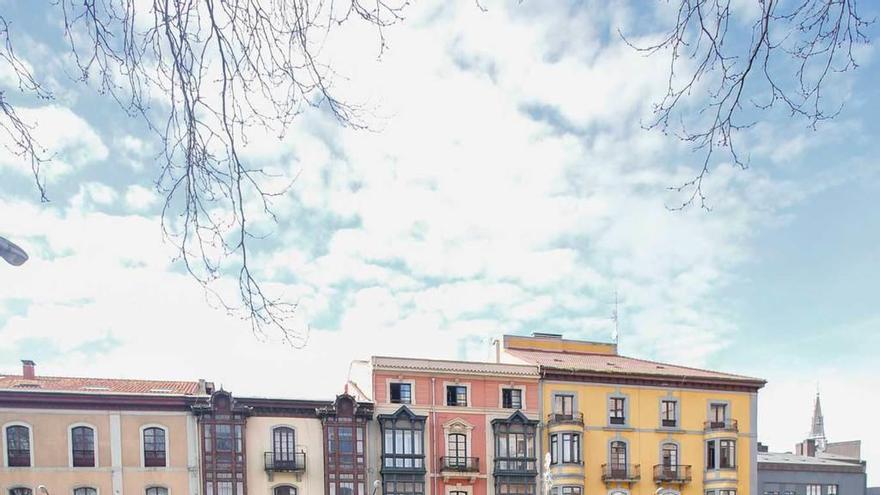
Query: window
{"points": [[20, 490], [284, 490], [404, 486], [668, 416], [154, 447], [669, 456], [402, 443], [717, 415], [563, 406], [565, 448], [18, 446], [566, 490], [814, 490], [83, 447], [710, 454], [728, 454], [156, 490], [515, 445], [617, 461], [284, 447], [456, 395], [617, 411], [223, 440], [456, 449], [511, 398], [85, 490], [514, 486], [457, 492], [830, 489], [401, 393]]}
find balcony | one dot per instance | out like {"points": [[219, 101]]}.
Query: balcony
{"points": [[460, 464], [726, 425], [565, 418], [516, 466], [672, 473], [623, 473], [284, 462]]}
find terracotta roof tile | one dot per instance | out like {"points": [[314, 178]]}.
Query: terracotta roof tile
{"points": [[605, 363], [98, 385], [449, 366]]}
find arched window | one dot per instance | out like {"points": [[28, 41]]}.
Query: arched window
{"points": [[18, 446], [154, 447], [618, 459], [20, 490], [284, 490], [82, 443], [85, 490], [156, 490]]}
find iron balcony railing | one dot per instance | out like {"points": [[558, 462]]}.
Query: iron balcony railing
{"points": [[285, 461], [725, 425], [572, 417], [672, 473], [621, 472], [460, 464], [516, 465]]}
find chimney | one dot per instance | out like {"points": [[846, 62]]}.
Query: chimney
{"points": [[810, 447], [28, 369]]}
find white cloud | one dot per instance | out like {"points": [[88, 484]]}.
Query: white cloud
{"points": [[139, 198], [69, 141]]}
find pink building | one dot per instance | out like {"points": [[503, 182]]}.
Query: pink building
{"points": [[455, 427]]}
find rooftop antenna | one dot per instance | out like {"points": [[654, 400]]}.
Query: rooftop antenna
{"points": [[615, 318]]}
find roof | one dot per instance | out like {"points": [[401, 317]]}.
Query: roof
{"points": [[461, 367], [104, 386], [805, 461], [615, 364]]}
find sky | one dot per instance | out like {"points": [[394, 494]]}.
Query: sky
{"points": [[506, 186]]}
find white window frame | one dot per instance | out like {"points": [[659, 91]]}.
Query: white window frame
{"points": [[74, 488], [412, 389], [458, 425], [466, 385], [167, 447], [6, 444], [167, 488], [522, 391], [94, 428]]}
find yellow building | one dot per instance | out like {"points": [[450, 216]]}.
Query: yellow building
{"points": [[622, 426]]}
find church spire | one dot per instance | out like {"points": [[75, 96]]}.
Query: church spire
{"points": [[817, 431]]}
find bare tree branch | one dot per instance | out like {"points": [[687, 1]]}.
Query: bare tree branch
{"points": [[792, 48], [204, 74]]}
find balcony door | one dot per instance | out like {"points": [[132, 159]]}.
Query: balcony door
{"points": [[618, 460], [669, 459], [456, 450], [563, 406], [283, 447]]}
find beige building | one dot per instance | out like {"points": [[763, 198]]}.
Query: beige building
{"points": [[89, 436]]}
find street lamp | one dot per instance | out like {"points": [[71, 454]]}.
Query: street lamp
{"points": [[13, 254], [376, 485], [43, 490]]}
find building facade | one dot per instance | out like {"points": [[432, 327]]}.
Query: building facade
{"points": [[455, 427], [80, 436], [818, 467], [622, 426]]}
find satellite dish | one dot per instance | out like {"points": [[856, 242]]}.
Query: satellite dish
{"points": [[13, 254]]}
